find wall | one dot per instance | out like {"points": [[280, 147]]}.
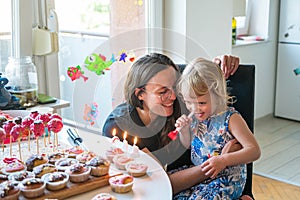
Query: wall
{"points": [[208, 23], [264, 56], [197, 20]]}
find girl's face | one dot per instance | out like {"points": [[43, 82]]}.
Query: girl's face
{"points": [[201, 105], [159, 96]]}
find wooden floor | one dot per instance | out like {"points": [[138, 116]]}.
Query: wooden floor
{"points": [[269, 189], [279, 164]]}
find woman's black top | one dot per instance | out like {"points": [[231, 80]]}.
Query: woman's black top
{"points": [[125, 118]]}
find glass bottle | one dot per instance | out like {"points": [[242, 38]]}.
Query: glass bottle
{"points": [[233, 26], [23, 83]]}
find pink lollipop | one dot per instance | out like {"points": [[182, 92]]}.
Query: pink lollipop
{"points": [[55, 116], [2, 137], [26, 122], [7, 126], [34, 114], [16, 134], [45, 118], [38, 129], [55, 125]]}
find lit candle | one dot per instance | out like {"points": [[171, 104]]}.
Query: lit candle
{"points": [[125, 143], [135, 149], [115, 138]]}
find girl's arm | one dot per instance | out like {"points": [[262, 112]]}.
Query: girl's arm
{"points": [[249, 152], [183, 123], [187, 178], [250, 149]]}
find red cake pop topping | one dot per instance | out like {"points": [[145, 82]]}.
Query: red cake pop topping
{"points": [[16, 132], [34, 114], [7, 126], [38, 128], [55, 116], [2, 135], [55, 125], [44, 117], [27, 121]]}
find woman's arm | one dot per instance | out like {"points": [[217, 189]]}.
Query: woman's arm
{"points": [[186, 178]]}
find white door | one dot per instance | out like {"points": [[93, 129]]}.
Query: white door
{"points": [[287, 104]]}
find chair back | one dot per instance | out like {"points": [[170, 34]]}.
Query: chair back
{"points": [[241, 85]]}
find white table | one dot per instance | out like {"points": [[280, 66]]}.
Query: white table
{"points": [[154, 185]]}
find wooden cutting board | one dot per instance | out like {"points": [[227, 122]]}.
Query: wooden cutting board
{"points": [[75, 188]]}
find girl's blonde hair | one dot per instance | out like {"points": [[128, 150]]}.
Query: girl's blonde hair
{"points": [[201, 77]]}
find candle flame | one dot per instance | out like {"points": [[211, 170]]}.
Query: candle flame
{"points": [[114, 132], [135, 140], [125, 135]]}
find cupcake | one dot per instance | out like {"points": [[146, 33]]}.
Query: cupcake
{"points": [[112, 152], [13, 167], [74, 151], [35, 160], [121, 184], [3, 177], [56, 180], [85, 156], [136, 169], [99, 166], [32, 187], [121, 160], [40, 170], [104, 196], [64, 163], [78, 173], [9, 190], [55, 157], [20, 176]]}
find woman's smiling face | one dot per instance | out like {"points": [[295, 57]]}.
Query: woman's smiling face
{"points": [[159, 95]]}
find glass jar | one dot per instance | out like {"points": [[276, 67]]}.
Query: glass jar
{"points": [[23, 83]]}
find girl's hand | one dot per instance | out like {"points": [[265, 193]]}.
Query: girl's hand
{"points": [[228, 63], [213, 166], [183, 121]]}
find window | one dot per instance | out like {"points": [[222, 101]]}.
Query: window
{"points": [[94, 27], [5, 33]]}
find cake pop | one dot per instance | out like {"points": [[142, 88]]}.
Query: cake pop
{"points": [[55, 116], [26, 122], [16, 134], [7, 126], [55, 125], [38, 129], [2, 137], [45, 118], [34, 114]]}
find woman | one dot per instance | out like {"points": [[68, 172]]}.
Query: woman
{"points": [[151, 110]]}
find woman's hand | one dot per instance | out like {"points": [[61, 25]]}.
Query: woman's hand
{"points": [[231, 146], [228, 63]]}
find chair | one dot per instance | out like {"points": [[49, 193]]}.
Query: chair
{"points": [[241, 85]]}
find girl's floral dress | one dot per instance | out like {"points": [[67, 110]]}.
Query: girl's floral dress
{"points": [[209, 138]]}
